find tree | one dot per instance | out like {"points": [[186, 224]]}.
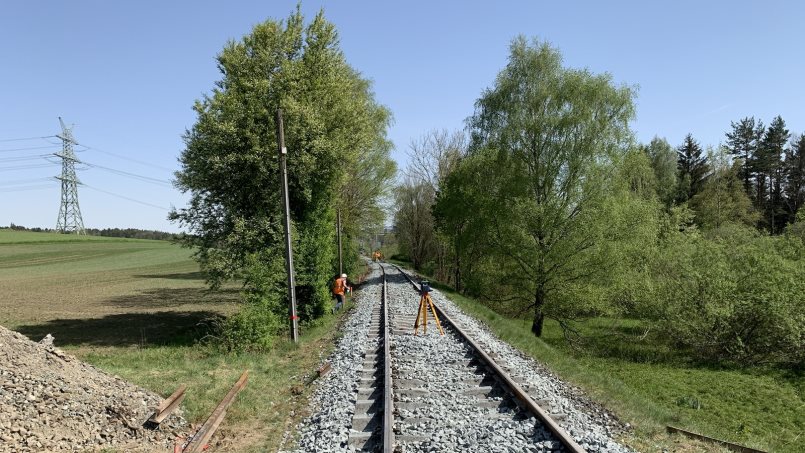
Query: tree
{"points": [[548, 135], [795, 176], [693, 168], [230, 166], [743, 143], [663, 162], [413, 221], [435, 155], [722, 199], [769, 165], [432, 158]]}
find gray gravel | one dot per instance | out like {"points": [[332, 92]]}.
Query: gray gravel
{"points": [[333, 400], [51, 401], [445, 412]]}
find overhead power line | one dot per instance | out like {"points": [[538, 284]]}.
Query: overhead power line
{"points": [[27, 167], [29, 148], [23, 158], [23, 181], [24, 188], [126, 198], [120, 156], [128, 174], [25, 138]]}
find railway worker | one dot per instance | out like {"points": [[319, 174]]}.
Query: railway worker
{"points": [[340, 287]]}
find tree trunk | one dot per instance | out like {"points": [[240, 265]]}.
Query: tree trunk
{"points": [[539, 317]]}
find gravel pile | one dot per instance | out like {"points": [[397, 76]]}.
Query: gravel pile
{"points": [[333, 401], [51, 401]]}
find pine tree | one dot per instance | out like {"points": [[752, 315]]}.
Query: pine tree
{"points": [[795, 176], [770, 165], [743, 143], [693, 168]]}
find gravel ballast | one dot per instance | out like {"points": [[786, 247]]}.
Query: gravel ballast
{"points": [[444, 411], [51, 401]]}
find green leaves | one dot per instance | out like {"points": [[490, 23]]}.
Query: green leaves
{"points": [[734, 295], [532, 194], [333, 125]]}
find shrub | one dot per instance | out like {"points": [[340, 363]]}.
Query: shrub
{"points": [[263, 315], [735, 295]]}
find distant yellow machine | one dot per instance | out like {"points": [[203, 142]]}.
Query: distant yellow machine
{"points": [[377, 255]]}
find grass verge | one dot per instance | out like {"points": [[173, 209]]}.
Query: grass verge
{"points": [[270, 403]]}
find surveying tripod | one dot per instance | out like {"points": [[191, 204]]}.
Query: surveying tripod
{"points": [[426, 303]]}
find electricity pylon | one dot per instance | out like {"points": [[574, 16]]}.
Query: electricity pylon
{"points": [[69, 212]]}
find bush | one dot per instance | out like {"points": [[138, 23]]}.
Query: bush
{"points": [[735, 295], [254, 328], [263, 316]]}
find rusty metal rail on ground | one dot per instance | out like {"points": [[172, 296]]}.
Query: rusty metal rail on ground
{"points": [[206, 431], [388, 408], [167, 406], [561, 435], [728, 445]]}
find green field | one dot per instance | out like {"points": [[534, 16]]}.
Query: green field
{"points": [[138, 308]]}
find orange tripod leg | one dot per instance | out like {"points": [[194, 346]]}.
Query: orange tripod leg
{"points": [[435, 316], [420, 316]]}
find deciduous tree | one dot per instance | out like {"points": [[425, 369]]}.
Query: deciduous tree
{"points": [[663, 162], [335, 136], [548, 135], [722, 198]]}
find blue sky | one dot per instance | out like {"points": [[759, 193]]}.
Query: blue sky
{"points": [[127, 73]]}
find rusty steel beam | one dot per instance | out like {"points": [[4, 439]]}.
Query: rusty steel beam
{"points": [[564, 438], [728, 445], [167, 406], [388, 404], [206, 431]]}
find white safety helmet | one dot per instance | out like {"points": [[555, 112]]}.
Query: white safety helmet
{"points": [[343, 275]]}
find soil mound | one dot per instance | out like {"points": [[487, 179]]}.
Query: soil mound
{"points": [[51, 401]]}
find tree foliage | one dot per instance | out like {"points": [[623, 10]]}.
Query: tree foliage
{"points": [[432, 158], [663, 163], [693, 168], [546, 137], [552, 212], [722, 198], [734, 295], [335, 133]]}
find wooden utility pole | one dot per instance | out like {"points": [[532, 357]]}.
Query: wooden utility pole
{"points": [[338, 227], [283, 155]]}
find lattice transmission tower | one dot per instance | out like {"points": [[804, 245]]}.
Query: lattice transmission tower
{"points": [[69, 212]]}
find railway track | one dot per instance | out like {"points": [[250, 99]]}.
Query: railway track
{"points": [[372, 422], [420, 392]]}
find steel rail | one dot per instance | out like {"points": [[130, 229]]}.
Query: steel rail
{"points": [[564, 438], [726, 444], [204, 434], [388, 402], [167, 406]]}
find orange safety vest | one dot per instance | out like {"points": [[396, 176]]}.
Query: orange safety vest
{"points": [[339, 286]]}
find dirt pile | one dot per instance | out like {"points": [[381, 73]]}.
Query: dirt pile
{"points": [[51, 401]]}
